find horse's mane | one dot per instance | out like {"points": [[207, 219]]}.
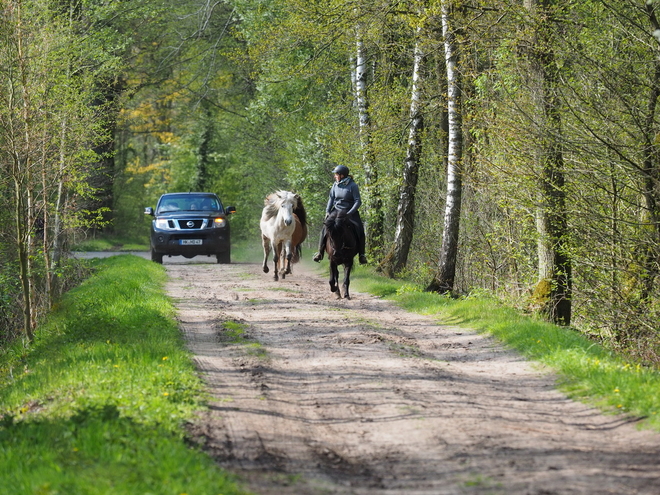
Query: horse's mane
{"points": [[271, 205], [272, 202], [339, 221], [342, 234]]}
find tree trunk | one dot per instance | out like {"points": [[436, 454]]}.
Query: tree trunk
{"points": [[553, 290], [650, 171], [23, 252], [23, 185], [102, 177], [57, 242], [374, 202], [443, 281], [405, 221], [203, 179]]}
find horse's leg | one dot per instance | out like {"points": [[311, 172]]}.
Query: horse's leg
{"points": [[281, 268], [334, 278], [266, 244], [276, 259], [347, 278], [289, 254]]}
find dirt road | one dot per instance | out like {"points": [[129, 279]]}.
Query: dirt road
{"points": [[359, 397]]}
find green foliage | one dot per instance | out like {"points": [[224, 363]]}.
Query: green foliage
{"points": [[98, 403], [236, 333], [262, 98]]}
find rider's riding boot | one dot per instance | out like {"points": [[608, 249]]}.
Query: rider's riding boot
{"points": [[361, 247], [318, 256]]}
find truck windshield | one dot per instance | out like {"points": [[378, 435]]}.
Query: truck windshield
{"points": [[189, 202]]}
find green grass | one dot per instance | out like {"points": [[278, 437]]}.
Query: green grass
{"points": [[112, 243], [236, 333], [97, 405], [586, 370]]}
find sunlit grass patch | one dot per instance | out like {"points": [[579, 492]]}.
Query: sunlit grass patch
{"points": [[98, 451], [98, 404], [236, 333], [114, 243]]}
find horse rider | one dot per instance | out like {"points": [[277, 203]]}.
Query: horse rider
{"points": [[345, 198]]}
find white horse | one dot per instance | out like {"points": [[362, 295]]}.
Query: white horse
{"points": [[283, 229]]}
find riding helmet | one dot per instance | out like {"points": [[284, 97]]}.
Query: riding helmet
{"points": [[341, 170]]}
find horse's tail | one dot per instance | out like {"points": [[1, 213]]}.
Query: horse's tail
{"points": [[299, 235], [297, 254]]}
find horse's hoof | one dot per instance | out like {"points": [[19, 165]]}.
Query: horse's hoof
{"points": [[275, 277], [266, 270], [333, 289], [347, 297]]}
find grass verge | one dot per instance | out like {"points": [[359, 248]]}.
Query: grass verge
{"points": [[586, 370], [112, 243], [97, 405]]}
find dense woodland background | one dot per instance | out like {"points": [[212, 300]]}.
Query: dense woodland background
{"points": [[507, 148]]}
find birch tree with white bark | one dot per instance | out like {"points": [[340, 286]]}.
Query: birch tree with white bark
{"points": [[374, 203], [443, 281], [405, 219]]}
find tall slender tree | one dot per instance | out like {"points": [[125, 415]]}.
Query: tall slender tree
{"points": [[554, 287], [651, 162], [375, 220], [444, 278], [405, 219]]}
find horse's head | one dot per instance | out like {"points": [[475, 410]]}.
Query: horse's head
{"points": [[280, 204]]}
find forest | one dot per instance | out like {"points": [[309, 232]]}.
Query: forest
{"points": [[507, 148]]}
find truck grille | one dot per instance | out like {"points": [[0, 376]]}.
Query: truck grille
{"points": [[191, 224]]}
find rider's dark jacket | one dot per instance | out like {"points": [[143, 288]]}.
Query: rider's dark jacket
{"points": [[344, 196]]}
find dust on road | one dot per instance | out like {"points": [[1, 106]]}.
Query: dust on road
{"points": [[359, 397]]}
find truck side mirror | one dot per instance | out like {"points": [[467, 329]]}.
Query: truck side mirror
{"points": [[149, 211]]}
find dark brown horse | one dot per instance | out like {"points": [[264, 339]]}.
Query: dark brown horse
{"points": [[341, 246], [299, 233]]}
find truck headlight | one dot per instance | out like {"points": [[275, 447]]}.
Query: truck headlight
{"points": [[161, 223]]}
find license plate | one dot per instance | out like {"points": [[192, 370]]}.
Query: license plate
{"points": [[190, 242]]}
